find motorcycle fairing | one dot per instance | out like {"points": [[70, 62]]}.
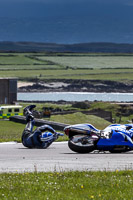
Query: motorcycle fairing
{"points": [[117, 139], [127, 129]]}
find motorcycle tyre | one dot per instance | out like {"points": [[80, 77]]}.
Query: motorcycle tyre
{"points": [[81, 149]]}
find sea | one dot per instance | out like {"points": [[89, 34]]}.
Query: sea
{"points": [[75, 96]]}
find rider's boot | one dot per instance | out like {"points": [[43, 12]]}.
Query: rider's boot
{"points": [[29, 109], [28, 112]]}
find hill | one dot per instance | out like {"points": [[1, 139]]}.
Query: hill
{"points": [[98, 47]]}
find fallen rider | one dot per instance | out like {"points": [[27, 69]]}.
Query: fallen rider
{"points": [[42, 137]]}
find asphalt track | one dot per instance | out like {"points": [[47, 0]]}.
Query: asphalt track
{"points": [[14, 157]]}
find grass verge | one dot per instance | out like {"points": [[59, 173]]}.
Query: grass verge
{"points": [[11, 131], [79, 118], [67, 185]]}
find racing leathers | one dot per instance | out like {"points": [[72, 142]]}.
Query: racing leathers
{"points": [[32, 139]]}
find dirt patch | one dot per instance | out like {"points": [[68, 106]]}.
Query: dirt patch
{"points": [[24, 84]]}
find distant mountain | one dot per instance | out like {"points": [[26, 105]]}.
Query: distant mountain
{"points": [[53, 47]]}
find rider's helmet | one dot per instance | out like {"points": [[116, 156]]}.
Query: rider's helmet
{"points": [[46, 137]]}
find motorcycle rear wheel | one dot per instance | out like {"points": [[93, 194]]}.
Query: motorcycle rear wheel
{"points": [[81, 144]]}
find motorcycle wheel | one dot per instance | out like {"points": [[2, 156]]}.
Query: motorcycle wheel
{"points": [[81, 144]]}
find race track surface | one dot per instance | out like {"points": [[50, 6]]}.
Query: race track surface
{"points": [[14, 157]]}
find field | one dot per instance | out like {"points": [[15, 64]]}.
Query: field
{"points": [[67, 185], [44, 66], [95, 61]]}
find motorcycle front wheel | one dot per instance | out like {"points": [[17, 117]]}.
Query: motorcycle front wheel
{"points": [[81, 144]]}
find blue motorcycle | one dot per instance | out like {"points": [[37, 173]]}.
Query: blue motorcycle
{"points": [[85, 138]]}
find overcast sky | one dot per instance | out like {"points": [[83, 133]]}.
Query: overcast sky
{"points": [[125, 2], [39, 8], [96, 20]]}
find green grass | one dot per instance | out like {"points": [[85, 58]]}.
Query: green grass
{"points": [[39, 106], [16, 60], [97, 61], [78, 118], [10, 131], [42, 74], [23, 61], [25, 66], [100, 123], [19, 67], [67, 185]]}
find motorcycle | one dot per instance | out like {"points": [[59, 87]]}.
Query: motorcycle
{"points": [[85, 138]]}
